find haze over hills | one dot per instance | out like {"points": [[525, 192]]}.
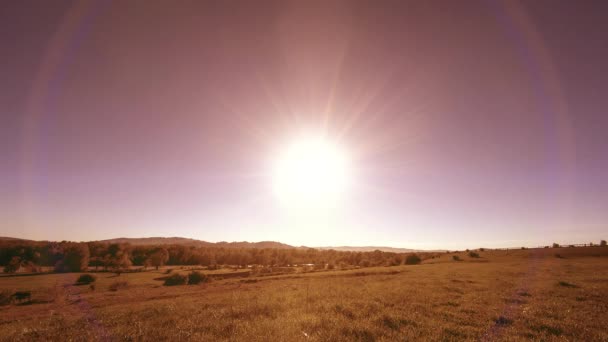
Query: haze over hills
{"points": [[369, 249], [197, 243], [235, 244]]}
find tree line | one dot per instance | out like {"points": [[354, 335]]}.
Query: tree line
{"points": [[68, 256]]}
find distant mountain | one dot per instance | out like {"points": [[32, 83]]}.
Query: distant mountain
{"points": [[197, 243], [6, 238], [371, 249], [241, 244]]}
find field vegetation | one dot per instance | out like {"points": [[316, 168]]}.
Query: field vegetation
{"points": [[500, 295]]}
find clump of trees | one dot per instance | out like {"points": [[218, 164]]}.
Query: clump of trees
{"points": [[75, 258], [78, 257], [13, 266]]}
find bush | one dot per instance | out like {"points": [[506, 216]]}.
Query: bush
{"points": [[603, 243], [456, 258], [566, 284], [168, 271], [555, 245], [175, 279], [85, 279], [197, 277], [118, 285], [413, 260], [474, 255], [5, 297]]}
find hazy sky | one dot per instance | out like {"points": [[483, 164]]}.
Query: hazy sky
{"points": [[469, 123]]}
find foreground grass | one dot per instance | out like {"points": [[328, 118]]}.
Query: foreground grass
{"points": [[502, 296]]}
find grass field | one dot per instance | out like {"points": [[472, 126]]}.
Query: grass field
{"points": [[504, 295]]}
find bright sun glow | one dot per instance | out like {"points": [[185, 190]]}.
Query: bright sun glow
{"points": [[311, 172]]}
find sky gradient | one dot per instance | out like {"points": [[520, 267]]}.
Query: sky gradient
{"points": [[469, 123]]}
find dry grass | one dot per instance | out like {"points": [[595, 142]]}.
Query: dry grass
{"points": [[504, 295]]}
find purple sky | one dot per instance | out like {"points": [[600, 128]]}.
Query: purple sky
{"points": [[470, 123]]}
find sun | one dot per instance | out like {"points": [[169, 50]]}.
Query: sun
{"points": [[311, 172]]}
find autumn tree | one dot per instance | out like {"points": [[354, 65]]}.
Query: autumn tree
{"points": [[159, 257]]}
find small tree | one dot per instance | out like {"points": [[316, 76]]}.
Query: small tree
{"points": [[159, 257], [555, 245], [603, 243]]}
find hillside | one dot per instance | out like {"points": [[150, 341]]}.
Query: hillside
{"points": [[196, 243], [369, 249], [6, 238], [238, 244]]}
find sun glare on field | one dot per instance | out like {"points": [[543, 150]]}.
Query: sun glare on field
{"points": [[311, 172]]}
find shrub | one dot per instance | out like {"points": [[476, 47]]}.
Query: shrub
{"points": [[5, 297], [501, 320], [118, 285], [22, 296], [168, 271], [196, 277], [413, 260], [603, 243], [175, 279], [566, 284], [396, 261], [482, 249], [456, 258], [555, 245], [85, 279], [474, 255], [559, 256]]}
